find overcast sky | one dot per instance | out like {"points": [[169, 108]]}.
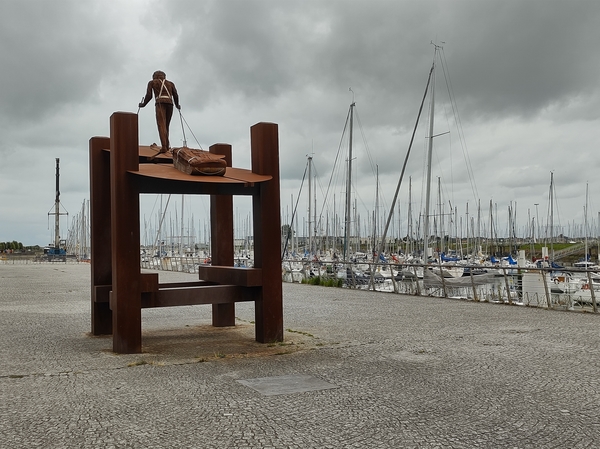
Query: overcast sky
{"points": [[523, 74]]}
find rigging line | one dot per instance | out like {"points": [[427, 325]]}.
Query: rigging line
{"points": [[317, 181], [182, 128], [162, 219], [155, 201], [369, 154], [361, 201], [450, 153], [291, 228], [387, 224], [557, 214], [183, 118], [335, 161], [154, 206], [461, 134]]}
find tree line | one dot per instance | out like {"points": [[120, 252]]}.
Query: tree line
{"points": [[16, 246]]}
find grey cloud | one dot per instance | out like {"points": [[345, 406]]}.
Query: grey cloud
{"points": [[56, 54]]}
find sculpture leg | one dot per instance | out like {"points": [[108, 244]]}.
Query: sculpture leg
{"points": [[267, 231], [221, 230], [101, 270], [125, 227]]}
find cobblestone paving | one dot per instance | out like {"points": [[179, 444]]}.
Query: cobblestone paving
{"points": [[410, 372]]}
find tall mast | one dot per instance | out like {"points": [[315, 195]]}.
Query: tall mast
{"points": [[410, 223], [429, 157], [478, 227], [492, 224], [387, 224], [552, 216], [182, 230], [349, 187], [441, 215], [375, 213], [310, 241], [315, 223], [585, 222], [467, 228]]}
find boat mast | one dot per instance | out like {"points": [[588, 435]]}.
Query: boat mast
{"points": [[181, 244], [373, 250], [409, 233], [457, 239], [552, 216], [429, 157], [387, 224], [349, 187], [492, 240], [310, 240], [440, 227], [478, 245], [585, 222]]}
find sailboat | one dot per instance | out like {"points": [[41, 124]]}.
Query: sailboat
{"points": [[348, 208], [427, 250]]}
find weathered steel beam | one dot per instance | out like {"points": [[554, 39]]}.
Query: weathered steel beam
{"points": [[245, 277], [221, 238], [101, 269], [125, 231], [214, 294], [267, 232]]}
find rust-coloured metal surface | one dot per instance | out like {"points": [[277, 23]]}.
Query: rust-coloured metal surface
{"points": [[119, 290], [267, 231], [221, 239], [232, 175], [217, 295], [125, 231], [147, 154], [101, 269], [245, 277]]}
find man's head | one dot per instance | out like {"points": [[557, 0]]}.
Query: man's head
{"points": [[159, 75]]}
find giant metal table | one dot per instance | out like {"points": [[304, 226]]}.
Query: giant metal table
{"points": [[121, 170]]}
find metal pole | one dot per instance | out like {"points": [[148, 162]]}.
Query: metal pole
{"points": [[57, 207]]}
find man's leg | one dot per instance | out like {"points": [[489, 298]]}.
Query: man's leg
{"points": [[163, 131], [168, 109]]}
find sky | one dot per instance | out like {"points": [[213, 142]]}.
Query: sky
{"points": [[522, 77]]}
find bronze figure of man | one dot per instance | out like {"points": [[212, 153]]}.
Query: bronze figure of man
{"points": [[165, 95]]}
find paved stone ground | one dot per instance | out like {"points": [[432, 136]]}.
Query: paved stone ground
{"points": [[408, 372]]}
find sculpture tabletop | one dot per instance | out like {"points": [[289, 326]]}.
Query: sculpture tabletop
{"points": [[232, 175]]}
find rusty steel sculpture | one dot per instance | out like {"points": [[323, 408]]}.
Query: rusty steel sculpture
{"points": [[120, 170]]}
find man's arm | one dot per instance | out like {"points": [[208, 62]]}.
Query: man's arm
{"points": [[148, 96], [175, 96]]}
